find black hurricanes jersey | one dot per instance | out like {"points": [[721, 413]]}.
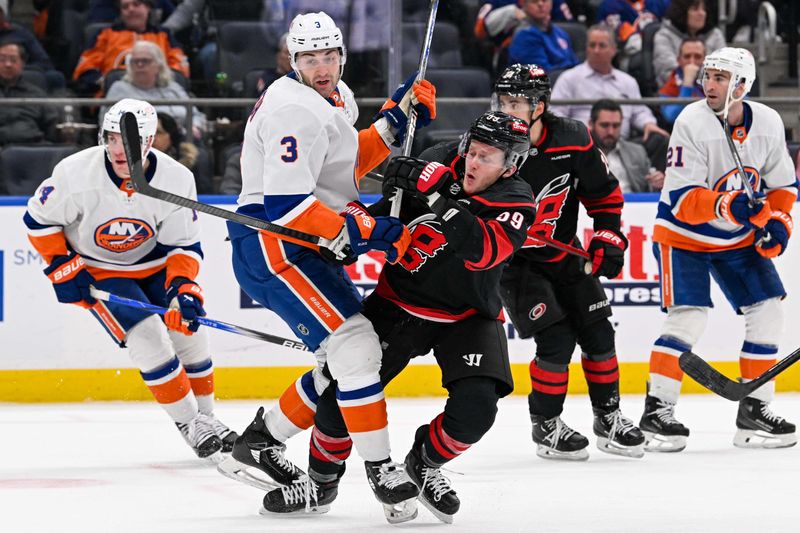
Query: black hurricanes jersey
{"points": [[563, 170], [453, 266]]}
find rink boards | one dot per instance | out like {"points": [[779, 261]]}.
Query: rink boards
{"points": [[54, 352]]}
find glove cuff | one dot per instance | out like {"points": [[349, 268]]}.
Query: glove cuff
{"points": [[186, 286], [723, 207], [385, 131], [611, 237], [64, 268]]}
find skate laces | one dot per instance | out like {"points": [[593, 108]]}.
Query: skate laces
{"points": [[436, 481], [219, 428], [559, 429], [666, 412], [767, 413], [391, 474], [619, 423], [279, 459], [200, 429], [303, 489]]}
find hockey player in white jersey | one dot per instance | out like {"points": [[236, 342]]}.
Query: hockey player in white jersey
{"points": [[93, 229], [706, 226], [301, 163]]}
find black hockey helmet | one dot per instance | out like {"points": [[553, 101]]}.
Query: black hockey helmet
{"points": [[527, 80], [500, 130]]}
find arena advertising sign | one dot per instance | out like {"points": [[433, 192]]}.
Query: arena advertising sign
{"points": [[38, 333]]}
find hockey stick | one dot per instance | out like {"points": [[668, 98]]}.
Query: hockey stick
{"points": [[224, 326], [411, 125], [133, 152], [716, 382], [558, 245]]}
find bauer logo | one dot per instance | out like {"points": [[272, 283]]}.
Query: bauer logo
{"points": [[122, 234]]}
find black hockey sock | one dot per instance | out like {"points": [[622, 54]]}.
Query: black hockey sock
{"points": [[602, 377], [327, 455], [549, 388], [435, 445]]}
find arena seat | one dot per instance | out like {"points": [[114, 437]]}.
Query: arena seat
{"points": [[244, 46], [425, 139], [23, 168], [577, 34], [445, 47], [466, 82]]}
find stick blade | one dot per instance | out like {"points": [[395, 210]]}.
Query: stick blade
{"points": [[711, 378]]}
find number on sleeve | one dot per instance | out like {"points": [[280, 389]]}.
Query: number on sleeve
{"points": [[290, 144], [678, 153], [516, 218]]}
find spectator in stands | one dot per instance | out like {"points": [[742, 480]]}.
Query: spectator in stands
{"points": [[684, 18], [37, 57], [542, 42], [22, 123], [628, 161], [170, 139], [499, 20], [148, 78], [282, 66], [111, 46], [628, 18], [108, 10], [684, 80], [597, 78]]}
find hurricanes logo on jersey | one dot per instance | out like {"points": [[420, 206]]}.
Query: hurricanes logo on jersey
{"points": [[732, 181], [122, 234], [550, 203], [426, 241]]}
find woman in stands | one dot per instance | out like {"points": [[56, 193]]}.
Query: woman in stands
{"points": [[148, 77]]}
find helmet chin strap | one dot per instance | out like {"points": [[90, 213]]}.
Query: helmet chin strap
{"points": [[730, 99]]}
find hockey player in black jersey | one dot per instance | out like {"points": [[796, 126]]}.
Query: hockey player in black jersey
{"points": [[546, 292], [442, 296]]}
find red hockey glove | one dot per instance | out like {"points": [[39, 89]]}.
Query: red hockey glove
{"points": [[366, 233], [419, 177], [607, 252], [185, 298], [771, 241], [735, 207], [71, 280]]}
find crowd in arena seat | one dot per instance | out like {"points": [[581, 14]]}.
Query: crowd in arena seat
{"points": [[157, 49]]}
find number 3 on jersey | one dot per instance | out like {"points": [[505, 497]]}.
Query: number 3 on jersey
{"points": [[290, 145]]}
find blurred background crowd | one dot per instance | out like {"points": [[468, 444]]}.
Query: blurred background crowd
{"points": [[212, 58]]}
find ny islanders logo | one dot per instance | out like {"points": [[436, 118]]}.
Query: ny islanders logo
{"points": [[122, 234], [732, 181]]}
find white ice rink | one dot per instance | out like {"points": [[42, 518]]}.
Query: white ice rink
{"points": [[123, 467]]}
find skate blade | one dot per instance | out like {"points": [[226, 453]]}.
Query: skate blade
{"points": [[614, 448], [443, 517], [549, 453], [215, 458], [397, 513], [233, 469], [655, 442], [749, 438], [313, 510]]}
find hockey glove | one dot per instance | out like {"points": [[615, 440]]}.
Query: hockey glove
{"points": [[607, 253], [735, 207], [185, 299], [421, 95], [428, 180], [364, 233], [71, 280], [771, 241]]}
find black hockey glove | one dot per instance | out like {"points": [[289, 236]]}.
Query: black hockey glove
{"points": [[429, 181], [607, 253]]}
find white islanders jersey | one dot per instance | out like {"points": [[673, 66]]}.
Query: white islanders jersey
{"points": [[699, 157], [296, 144], [119, 233]]}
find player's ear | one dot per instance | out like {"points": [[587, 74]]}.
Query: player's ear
{"points": [[509, 171]]}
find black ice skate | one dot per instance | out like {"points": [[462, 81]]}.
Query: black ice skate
{"points": [[435, 492], [258, 459], [759, 427], [199, 434], [303, 497], [394, 489], [663, 433], [556, 440], [617, 434], [225, 434]]}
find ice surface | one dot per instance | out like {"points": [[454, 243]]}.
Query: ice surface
{"points": [[103, 467]]}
